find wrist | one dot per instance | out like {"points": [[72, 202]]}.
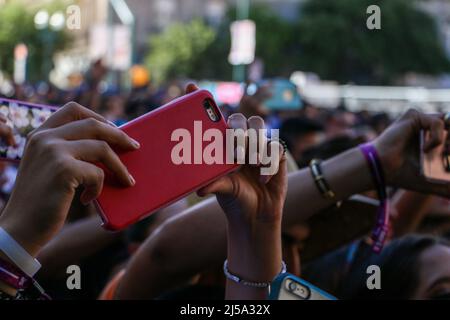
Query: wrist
{"points": [[349, 167], [23, 237], [389, 165], [240, 219], [255, 254]]}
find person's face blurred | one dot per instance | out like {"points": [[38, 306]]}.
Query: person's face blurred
{"points": [[305, 142], [434, 277], [98, 72], [340, 123], [116, 106], [312, 113]]}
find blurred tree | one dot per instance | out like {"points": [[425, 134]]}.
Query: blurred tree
{"points": [[213, 63], [174, 52], [276, 44], [337, 44], [17, 26], [276, 41]]}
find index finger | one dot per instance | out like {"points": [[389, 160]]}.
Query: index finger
{"points": [[96, 130], [70, 112]]}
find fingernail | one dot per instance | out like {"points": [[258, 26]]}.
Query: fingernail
{"points": [[136, 144], [112, 124], [132, 180]]}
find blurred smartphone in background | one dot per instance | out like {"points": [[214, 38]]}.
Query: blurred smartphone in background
{"points": [[276, 94], [435, 164], [289, 287], [22, 117]]}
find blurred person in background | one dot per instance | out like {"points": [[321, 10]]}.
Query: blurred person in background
{"points": [[144, 96], [88, 94], [113, 109], [301, 134], [339, 122], [379, 122], [413, 267], [252, 103]]}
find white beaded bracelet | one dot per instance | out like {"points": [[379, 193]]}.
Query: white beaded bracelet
{"points": [[237, 279]]}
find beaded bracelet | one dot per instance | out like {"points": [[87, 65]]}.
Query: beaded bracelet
{"points": [[237, 279]]}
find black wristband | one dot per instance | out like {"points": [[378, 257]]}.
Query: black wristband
{"points": [[323, 186]]}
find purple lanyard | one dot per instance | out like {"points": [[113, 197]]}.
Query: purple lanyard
{"points": [[16, 278], [380, 231]]}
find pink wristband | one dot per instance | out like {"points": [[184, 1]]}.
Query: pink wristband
{"points": [[13, 276], [17, 279]]}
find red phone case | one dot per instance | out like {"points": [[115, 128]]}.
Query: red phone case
{"points": [[160, 182]]}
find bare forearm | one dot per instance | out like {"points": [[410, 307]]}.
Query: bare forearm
{"points": [[180, 249], [171, 252], [255, 257], [347, 174], [76, 241]]}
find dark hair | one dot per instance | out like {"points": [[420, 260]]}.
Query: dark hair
{"points": [[399, 265], [293, 128], [329, 149]]}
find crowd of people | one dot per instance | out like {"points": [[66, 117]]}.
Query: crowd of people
{"points": [[317, 225]]}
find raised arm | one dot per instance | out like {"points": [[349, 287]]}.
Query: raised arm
{"points": [[76, 241], [196, 239], [346, 173]]}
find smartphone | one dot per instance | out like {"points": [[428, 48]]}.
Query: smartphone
{"points": [[277, 94], [161, 178], [22, 117], [289, 287], [435, 164]]}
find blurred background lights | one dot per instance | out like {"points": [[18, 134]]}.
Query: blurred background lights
{"points": [[41, 19], [57, 20]]}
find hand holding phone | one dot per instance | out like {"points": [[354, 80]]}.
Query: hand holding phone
{"points": [[171, 162], [399, 148], [59, 158]]}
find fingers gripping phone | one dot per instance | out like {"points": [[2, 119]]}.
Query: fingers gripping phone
{"points": [[435, 164], [22, 117], [289, 287], [185, 128]]}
